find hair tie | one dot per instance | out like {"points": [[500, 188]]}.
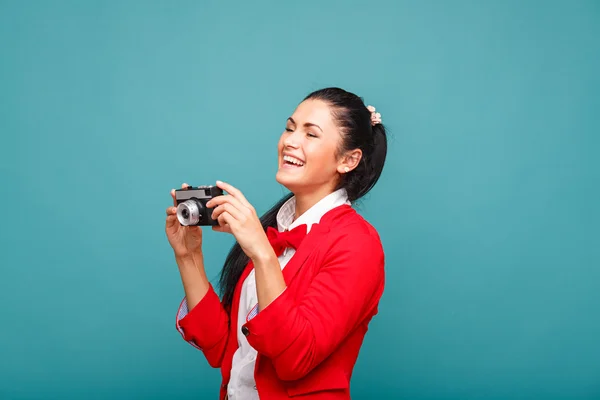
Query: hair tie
{"points": [[375, 116]]}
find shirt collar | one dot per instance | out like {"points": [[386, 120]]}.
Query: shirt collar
{"points": [[285, 216]]}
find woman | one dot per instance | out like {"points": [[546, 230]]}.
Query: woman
{"points": [[301, 283]]}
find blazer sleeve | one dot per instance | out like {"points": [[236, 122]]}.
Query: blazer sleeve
{"points": [[206, 326], [297, 335]]}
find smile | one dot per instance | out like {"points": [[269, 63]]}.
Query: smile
{"points": [[293, 161]]}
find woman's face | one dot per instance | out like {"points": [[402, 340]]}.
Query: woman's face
{"points": [[308, 150]]}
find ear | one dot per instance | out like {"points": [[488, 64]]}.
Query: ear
{"points": [[349, 161]]}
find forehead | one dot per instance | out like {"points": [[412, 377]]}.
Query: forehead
{"points": [[314, 111]]}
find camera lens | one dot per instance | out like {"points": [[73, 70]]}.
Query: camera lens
{"points": [[189, 212]]}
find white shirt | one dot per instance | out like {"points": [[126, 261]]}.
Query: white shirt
{"points": [[242, 385]]}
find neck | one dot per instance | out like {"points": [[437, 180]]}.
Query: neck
{"points": [[304, 201]]}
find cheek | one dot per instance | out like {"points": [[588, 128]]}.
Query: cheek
{"points": [[322, 157]]}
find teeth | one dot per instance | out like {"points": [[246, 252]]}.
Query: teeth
{"points": [[293, 160]]}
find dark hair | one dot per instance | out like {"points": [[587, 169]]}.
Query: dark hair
{"points": [[354, 120]]}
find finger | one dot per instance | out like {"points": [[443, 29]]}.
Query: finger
{"points": [[232, 210], [234, 192], [183, 186], [195, 230], [226, 219], [218, 228], [221, 220], [220, 200], [171, 221], [171, 210]]}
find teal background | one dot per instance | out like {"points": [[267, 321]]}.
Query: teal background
{"points": [[487, 207]]}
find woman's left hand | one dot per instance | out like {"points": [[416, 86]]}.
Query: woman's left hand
{"points": [[237, 216]]}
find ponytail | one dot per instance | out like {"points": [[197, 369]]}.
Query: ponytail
{"points": [[363, 178]]}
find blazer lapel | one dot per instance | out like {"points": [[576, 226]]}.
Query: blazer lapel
{"points": [[308, 245], [311, 241]]}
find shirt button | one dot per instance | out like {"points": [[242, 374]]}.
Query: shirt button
{"points": [[245, 330], [230, 392]]}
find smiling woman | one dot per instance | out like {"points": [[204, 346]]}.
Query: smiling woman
{"points": [[302, 282]]}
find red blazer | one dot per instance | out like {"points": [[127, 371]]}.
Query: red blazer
{"points": [[309, 337]]}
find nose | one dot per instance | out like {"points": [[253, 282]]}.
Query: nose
{"points": [[291, 141]]}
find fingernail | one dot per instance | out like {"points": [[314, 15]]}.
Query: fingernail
{"points": [[219, 182]]}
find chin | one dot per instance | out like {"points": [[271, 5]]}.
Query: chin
{"points": [[291, 183], [284, 180]]}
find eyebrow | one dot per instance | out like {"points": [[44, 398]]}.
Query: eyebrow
{"points": [[307, 124]]}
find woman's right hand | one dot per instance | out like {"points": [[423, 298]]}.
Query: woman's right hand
{"points": [[185, 240]]}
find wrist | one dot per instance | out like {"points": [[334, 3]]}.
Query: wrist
{"points": [[189, 256], [264, 257]]}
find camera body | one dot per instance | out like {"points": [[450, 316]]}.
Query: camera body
{"points": [[191, 205]]}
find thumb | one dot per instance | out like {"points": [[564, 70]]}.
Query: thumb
{"points": [[171, 221], [195, 230]]}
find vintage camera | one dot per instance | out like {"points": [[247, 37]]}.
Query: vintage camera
{"points": [[191, 205]]}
